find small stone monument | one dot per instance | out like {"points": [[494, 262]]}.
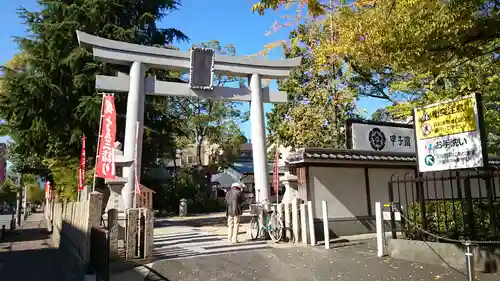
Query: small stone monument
{"points": [[183, 208]]}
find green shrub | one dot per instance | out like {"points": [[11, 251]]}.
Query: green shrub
{"points": [[450, 218], [198, 196]]}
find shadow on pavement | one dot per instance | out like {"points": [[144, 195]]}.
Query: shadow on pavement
{"points": [[198, 222], [24, 235], [154, 275], [39, 264]]}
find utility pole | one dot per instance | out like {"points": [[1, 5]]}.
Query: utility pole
{"points": [[25, 202], [19, 200]]}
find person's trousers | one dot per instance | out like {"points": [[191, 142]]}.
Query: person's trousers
{"points": [[233, 223]]}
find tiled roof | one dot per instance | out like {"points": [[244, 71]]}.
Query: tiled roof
{"points": [[336, 154], [246, 167]]}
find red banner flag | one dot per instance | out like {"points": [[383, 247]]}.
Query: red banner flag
{"points": [[276, 181], [137, 186], [105, 167], [48, 190], [81, 170]]}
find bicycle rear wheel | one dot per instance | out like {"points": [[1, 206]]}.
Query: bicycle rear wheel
{"points": [[254, 228], [275, 228]]}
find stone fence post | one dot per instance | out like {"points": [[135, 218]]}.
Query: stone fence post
{"points": [[113, 228], [295, 220], [94, 211], [131, 231]]}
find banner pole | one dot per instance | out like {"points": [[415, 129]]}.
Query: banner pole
{"points": [[277, 172], [79, 175], [136, 179], [98, 141], [276, 179]]}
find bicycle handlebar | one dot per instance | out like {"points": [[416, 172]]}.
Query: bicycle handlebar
{"points": [[261, 203]]}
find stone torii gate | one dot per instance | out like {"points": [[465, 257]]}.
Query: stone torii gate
{"points": [[141, 58]]}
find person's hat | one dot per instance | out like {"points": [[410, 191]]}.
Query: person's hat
{"points": [[238, 185]]}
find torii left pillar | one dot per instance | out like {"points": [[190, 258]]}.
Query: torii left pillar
{"points": [[135, 113], [259, 148]]}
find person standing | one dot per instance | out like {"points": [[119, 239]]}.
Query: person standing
{"points": [[234, 210]]}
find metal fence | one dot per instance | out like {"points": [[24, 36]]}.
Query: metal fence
{"points": [[99, 253], [451, 204]]}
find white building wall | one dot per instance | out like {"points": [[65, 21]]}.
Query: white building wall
{"points": [[342, 188], [345, 188], [379, 179]]}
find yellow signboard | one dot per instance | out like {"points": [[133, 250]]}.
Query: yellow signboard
{"points": [[446, 118]]}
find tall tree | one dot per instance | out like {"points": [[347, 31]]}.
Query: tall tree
{"points": [[413, 52], [320, 99], [52, 101], [48, 100]]}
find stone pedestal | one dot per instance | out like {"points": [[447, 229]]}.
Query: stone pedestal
{"points": [[291, 191], [115, 200]]}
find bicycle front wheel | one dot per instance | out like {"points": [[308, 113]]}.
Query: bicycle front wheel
{"points": [[275, 229], [254, 228]]}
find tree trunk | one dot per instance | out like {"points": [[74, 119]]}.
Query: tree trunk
{"points": [[198, 152]]}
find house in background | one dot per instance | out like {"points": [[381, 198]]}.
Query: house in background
{"points": [[243, 166]]}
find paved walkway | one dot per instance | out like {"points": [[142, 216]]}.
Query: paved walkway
{"points": [[181, 242], [27, 254], [195, 249], [343, 263]]}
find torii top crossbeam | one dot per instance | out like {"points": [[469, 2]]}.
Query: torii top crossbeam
{"points": [[117, 52]]}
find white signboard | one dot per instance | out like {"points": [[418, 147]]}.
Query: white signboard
{"points": [[366, 136], [448, 135]]}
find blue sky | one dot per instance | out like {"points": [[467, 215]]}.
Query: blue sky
{"points": [[229, 21]]}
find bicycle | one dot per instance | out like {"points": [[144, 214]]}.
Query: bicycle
{"points": [[273, 223]]}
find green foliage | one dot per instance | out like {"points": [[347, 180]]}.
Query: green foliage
{"points": [[47, 94], [320, 100], [450, 218], [8, 190], [36, 194], [186, 186], [64, 177], [409, 52], [315, 7]]}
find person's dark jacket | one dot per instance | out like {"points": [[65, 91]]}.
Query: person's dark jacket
{"points": [[234, 203]]}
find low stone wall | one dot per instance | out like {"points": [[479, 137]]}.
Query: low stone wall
{"points": [[71, 224], [139, 231], [486, 258]]}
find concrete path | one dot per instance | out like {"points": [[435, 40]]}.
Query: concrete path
{"points": [[344, 263], [27, 253], [196, 249], [181, 242], [5, 219]]}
